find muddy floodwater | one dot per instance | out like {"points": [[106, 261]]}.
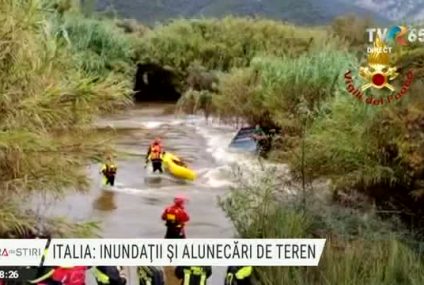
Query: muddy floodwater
{"points": [[132, 209]]}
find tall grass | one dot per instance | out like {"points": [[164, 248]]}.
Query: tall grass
{"points": [[360, 248], [47, 101], [100, 45], [275, 90]]}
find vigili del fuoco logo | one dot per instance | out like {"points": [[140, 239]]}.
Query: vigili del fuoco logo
{"points": [[378, 74]]}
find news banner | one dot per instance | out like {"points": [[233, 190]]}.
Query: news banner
{"points": [[159, 252]]}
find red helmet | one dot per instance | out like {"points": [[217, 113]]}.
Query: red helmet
{"points": [[180, 200]]}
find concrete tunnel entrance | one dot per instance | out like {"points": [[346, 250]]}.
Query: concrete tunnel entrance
{"points": [[155, 83]]}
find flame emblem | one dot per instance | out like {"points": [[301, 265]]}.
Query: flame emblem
{"points": [[378, 73]]}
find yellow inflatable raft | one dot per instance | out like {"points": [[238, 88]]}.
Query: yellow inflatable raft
{"points": [[174, 166]]}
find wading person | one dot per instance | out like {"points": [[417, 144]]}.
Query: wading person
{"points": [[175, 217], [239, 275], [261, 140], [193, 275], [154, 154], [108, 171]]}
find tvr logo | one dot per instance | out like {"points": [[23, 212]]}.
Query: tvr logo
{"points": [[399, 35]]}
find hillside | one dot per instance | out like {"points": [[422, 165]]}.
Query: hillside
{"points": [[304, 12]]}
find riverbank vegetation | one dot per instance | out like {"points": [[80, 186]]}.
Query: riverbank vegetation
{"points": [[361, 248], [55, 80], [292, 79]]}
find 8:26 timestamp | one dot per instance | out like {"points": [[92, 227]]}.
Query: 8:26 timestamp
{"points": [[17, 274], [9, 273]]}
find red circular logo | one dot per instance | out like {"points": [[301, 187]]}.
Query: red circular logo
{"points": [[378, 79]]}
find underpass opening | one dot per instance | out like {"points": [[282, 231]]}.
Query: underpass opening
{"points": [[154, 83]]}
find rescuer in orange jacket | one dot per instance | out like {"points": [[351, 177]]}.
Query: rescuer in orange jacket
{"points": [[175, 217], [154, 154]]}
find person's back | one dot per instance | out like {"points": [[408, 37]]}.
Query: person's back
{"points": [[70, 275], [239, 275], [108, 275], [193, 275], [175, 217], [150, 275], [61, 276], [109, 170]]}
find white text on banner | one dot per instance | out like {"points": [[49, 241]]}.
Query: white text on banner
{"points": [[187, 252]]}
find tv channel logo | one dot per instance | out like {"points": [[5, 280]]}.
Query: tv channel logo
{"points": [[396, 35]]}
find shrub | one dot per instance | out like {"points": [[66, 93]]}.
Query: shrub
{"points": [[227, 43], [131, 26], [193, 101], [47, 103], [377, 151], [352, 29], [360, 248], [198, 78], [235, 87]]}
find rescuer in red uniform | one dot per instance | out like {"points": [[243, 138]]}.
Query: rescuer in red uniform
{"points": [[176, 217], [61, 276]]}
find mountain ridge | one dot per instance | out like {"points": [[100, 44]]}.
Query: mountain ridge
{"points": [[396, 10], [301, 12]]}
